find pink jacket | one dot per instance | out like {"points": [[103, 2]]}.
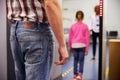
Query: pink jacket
{"points": [[79, 33]]}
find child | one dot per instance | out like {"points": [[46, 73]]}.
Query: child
{"points": [[79, 43]]}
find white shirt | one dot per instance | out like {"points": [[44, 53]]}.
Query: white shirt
{"points": [[78, 45], [95, 24]]}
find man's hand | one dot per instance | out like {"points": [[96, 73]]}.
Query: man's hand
{"points": [[63, 56]]}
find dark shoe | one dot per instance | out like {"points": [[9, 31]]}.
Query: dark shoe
{"points": [[93, 58]]}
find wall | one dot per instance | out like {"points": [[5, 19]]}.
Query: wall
{"points": [[113, 15], [69, 10], [3, 41], [71, 6]]}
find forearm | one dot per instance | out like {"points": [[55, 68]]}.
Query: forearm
{"points": [[54, 14]]}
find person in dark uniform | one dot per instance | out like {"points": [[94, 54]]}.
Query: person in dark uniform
{"points": [[95, 26]]}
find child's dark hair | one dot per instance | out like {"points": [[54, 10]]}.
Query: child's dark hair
{"points": [[80, 12]]}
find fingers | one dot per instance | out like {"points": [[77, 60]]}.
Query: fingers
{"points": [[63, 55], [62, 61], [86, 53]]}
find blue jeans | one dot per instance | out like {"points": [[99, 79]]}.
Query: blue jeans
{"points": [[32, 51], [79, 54]]}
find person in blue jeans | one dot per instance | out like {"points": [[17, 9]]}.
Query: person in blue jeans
{"points": [[79, 43], [31, 37]]}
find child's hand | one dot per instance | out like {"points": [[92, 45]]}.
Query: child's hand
{"points": [[70, 50], [86, 53]]}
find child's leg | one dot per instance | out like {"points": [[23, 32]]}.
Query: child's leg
{"points": [[81, 59], [76, 58]]}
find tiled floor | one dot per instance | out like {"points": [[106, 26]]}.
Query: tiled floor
{"points": [[90, 67]]}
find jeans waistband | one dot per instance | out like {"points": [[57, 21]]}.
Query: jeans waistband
{"points": [[30, 22]]}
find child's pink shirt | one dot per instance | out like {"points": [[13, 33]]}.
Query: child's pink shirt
{"points": [[79, 33]]}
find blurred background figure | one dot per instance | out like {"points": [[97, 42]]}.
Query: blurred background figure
{"points": [[94, 27]]}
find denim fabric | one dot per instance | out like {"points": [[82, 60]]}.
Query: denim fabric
{"points": [[32, 51], [79, 54]]}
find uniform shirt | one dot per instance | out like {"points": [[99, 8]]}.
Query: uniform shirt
{"points": [[95, 24], [27, 10], [79, 36]]}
